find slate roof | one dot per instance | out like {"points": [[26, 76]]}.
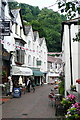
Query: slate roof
{"points": [[15, 13], [53, 59], [35, 35], [41, 41]]}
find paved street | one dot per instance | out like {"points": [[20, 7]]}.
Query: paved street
{"points": [[30, 105]]}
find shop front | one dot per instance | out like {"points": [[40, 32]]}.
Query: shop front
{"points": [[51, 76], [38, 76], [5, 65], [18, 71]]}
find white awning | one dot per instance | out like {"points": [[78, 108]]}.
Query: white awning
{"points": [[52, 74], [21, 71]]}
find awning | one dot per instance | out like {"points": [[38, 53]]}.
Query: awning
{"points": [[52, 74], [21, 71], [37, 73], [78, 81]]}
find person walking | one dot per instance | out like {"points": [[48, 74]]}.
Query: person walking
{"points": [[11, 84], [28, 85], [32, 85]]}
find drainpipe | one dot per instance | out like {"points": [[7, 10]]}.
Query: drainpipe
{"points": [[69, 25]]}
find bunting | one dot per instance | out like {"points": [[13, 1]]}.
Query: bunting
{"points": [[17, 47]]}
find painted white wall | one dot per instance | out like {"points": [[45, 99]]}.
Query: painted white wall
{"points": [[43, 55], [75, 56], [8, 40]]}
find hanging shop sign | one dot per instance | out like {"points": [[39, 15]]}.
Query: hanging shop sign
{"points": [[4, 28]]}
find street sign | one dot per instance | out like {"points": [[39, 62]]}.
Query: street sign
{"points": [[4, 28]]}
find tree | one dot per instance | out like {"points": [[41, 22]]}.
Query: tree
{"points": [[45, 21], [71, 8]]}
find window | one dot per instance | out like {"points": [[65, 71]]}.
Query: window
{"points": [[33, 61], [16, 28], [56, 66], [20, 54], [29, 44], [20, 31], [29, 60]]}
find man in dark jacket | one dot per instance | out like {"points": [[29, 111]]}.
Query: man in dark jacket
{"points": [[28, 85]]}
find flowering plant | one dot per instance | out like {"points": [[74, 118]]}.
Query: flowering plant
{"points": [[71, 97], [66, 102], [73, 112]]}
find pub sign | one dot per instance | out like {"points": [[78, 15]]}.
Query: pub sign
{"points": [[4, 28]]}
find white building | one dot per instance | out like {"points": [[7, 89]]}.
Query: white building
{"points": [[71, 53], [6, 38], [27, 52], [28, 47], [18, 66], [54, 68]]}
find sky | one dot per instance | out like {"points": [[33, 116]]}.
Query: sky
{"points": [[50, 4]]}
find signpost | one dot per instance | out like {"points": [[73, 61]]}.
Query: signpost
{"points": [[4, 28]]}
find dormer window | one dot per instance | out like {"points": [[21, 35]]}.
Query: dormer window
{"points": [[4, 2]]}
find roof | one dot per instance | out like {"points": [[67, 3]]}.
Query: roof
{"points": [[27, 29], [54, 53], [15, 13], [36, 34], [41, 41], [53, 59], [72, 20], [68, 22]]}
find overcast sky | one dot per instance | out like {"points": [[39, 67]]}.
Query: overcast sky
{"points": [[51, 4]]}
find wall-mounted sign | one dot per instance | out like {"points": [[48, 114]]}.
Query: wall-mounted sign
{"points": [[4, 28]]}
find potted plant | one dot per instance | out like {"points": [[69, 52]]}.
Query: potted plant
{"points": [[68, 101], [73, 113]]}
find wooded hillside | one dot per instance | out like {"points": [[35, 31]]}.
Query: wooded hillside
{"points": [[45, 21]]}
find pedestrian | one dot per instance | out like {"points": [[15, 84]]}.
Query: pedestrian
{"points": [[33, 86], [28, 85], [11, 84], [42, 83]]}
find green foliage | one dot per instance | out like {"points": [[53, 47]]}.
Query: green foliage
{"points": [[13, 5], [69, 7], [45, 21], [61, 88], [77, 38]]}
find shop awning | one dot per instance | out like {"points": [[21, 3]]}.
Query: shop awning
{"points": [[78, 81], [52, 74], [37, 73], [21, 71]]}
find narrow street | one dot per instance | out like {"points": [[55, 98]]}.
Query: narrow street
{"points": [[30, 105]]}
